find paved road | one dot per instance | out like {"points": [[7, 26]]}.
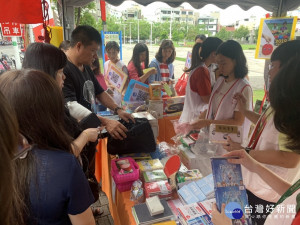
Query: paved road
{"points": [[256, 66]]}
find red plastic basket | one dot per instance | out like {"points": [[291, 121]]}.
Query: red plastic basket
{"points": [[124, 181]]}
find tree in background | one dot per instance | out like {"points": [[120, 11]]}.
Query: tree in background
{"points": [[224, 35], [83, 15], [241, 32]]}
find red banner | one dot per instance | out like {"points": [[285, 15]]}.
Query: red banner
{"points": [[11, 29], [103, 10], [21, 11]]}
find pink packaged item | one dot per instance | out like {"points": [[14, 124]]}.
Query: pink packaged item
{"points": [[124, 181]]}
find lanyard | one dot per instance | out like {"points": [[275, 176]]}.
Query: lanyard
{"points": [[289, 192], [259, 129]]}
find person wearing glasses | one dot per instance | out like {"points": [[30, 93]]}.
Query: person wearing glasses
{"points": [[54, 187], [266, 144]]}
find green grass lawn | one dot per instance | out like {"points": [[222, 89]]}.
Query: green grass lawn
{"points": [[248, 47], [258, 95], [180, 59]]}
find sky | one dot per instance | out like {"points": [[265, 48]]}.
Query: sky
{"points": [[227, 16]]}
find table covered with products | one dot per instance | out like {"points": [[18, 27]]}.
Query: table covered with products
{"points": [[196, 189], [120, 207]]}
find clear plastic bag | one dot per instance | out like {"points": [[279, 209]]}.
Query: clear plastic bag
{"points": [[137, 192], [168, 149]]}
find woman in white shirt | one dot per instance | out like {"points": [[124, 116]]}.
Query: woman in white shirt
{"points": [[222, 106], [284, 99]]}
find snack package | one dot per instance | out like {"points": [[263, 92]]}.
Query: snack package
{"points": [[137, 192]]}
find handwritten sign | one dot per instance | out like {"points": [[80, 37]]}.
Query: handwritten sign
{"points": [[219, 133], [115, 77]]}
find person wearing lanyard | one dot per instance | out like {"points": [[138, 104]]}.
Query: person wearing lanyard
{"points": [[284, 99], [266, 144], [222, 107]]}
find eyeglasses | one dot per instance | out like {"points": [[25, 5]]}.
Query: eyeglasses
{"points": [[23, 148]]}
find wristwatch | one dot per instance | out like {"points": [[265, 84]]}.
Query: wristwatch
{"points": [[248, 149], [116, 110]]}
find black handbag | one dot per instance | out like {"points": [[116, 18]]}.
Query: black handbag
{"points": [[139, 139]]}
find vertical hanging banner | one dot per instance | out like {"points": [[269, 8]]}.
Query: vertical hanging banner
{"points": [[272, 33]]}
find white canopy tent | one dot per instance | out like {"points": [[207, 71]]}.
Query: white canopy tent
{"points": [[278, 7]]}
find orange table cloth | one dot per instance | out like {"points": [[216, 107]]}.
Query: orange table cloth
{"points": [[121, 209]]}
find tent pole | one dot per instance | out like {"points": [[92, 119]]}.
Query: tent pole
{"points": [[63, 19], [280, 9]]}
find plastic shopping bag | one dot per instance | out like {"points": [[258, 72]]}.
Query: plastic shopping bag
{"points": [[181, 84]]}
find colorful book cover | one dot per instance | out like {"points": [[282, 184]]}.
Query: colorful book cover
{"points": [[188, 175], [155, 175], [196, 191], [136, 91], [206, 185], [149, 165], [187, 195], [116, 77], [226, 174], [236, 200]]}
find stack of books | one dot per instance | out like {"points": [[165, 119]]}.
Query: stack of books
{"points": [[185, 177], [142, 215], [137, 156], [149, 165], [193, 214], [229, 189], [197, 191], [160, 188], [155, 175]]}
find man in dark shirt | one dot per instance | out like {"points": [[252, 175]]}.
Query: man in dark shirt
{"points": [[81, 89]]}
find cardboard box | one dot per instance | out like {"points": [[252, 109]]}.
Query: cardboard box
{"points": [[173, 106], [157, 106]]}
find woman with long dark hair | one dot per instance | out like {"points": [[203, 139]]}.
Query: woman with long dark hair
{"points": [[54, 186], [199, 87], [11, 201], [51, 60], [139, 62], [163, 62]]}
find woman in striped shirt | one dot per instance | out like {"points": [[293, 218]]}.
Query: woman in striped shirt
{"points": [[163, 62]]}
